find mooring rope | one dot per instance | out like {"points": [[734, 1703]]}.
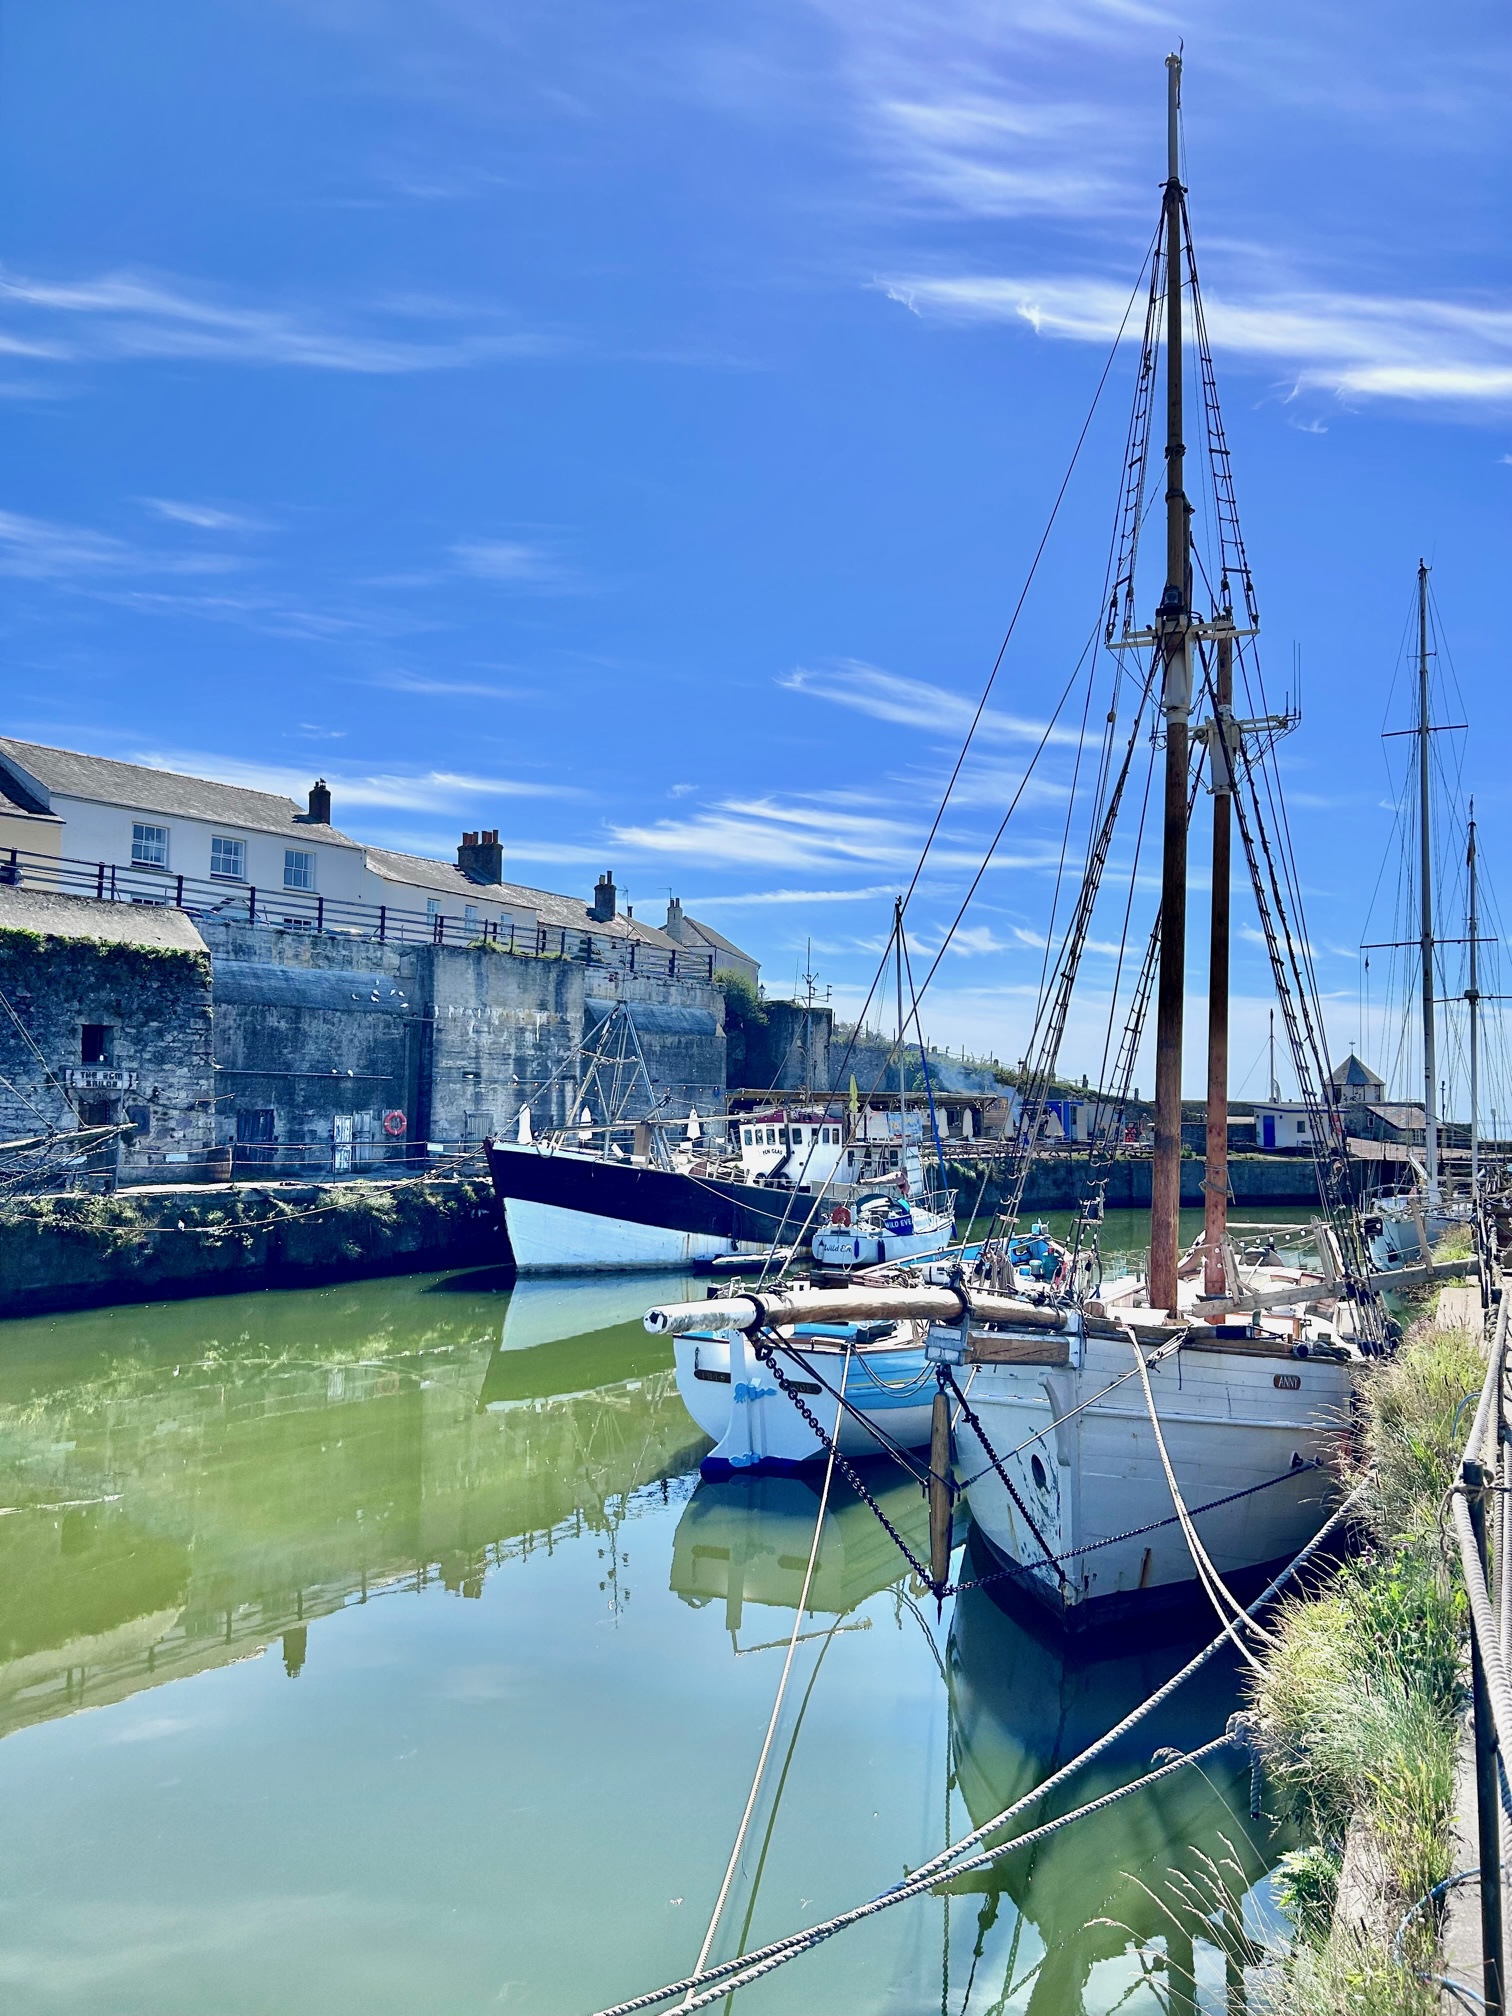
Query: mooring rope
{"points": [[751, 1965], [1212, 1582], [787, 1668]]}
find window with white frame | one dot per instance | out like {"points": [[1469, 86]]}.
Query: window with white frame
{"points": [[432, 908], [149, 845], [470, 916], [228, 858], [299, 868]]}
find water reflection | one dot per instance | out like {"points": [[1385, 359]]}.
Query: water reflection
{"points": [[173, 1499], [1153, 1867], [747, 1540], [183, 1486]]}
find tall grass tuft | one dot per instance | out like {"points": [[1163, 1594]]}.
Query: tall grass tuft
{"points": [[1358, 1707]]}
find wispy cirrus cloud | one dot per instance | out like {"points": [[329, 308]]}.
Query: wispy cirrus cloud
{"points": [[442, 792], [773, 835], [915, 703], [40, 549], [203, 517], [1356, 346], [443, 689], [781, 897], [520, 562], [135, 315]]}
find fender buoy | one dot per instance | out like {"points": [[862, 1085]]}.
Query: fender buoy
{"points": [[840, 1215], [394, 1122]]}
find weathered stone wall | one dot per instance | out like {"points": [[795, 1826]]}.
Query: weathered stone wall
{"points": [[309, 1028], [457, 1040], [496, 1032], [140, 983], [76, 1251]]}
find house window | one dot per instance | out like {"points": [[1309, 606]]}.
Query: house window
{"points": [[299, 868], [228, 858], [470, 916], [149, 845], [432, 908], [94, 1043]]}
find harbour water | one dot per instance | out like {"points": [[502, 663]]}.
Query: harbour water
{"points": [[379, 1649]]}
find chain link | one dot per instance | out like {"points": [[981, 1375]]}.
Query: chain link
{"points": [[831, 1446]]}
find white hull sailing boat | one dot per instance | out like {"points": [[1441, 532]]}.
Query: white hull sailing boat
{"points": [[1183, 1440], [1163, 1439]]}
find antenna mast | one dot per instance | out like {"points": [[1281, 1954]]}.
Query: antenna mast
{"points": [[1174, 644], [1425, 899]]}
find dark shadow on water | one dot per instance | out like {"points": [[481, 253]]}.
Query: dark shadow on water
{"points": [[476, 1281]]}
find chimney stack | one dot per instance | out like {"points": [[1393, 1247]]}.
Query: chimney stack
{"points": [[320, 804], [604, 898], [480, 857], [674, 924]]}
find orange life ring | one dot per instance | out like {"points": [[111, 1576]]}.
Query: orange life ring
{"points": [[840, 1215], [394, 1122]]}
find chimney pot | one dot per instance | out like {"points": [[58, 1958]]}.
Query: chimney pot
{"points": [[481, 858]]}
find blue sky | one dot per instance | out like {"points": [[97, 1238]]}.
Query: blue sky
{"points": [[630, 426]]}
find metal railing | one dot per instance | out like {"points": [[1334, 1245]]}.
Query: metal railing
{"points": [[215, 901], [1479, 1509]]}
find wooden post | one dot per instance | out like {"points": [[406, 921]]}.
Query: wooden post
{"points": [[1487, 1790], [939, 1491]]}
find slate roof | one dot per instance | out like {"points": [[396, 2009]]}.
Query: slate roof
{"points": [[571, 912], [1353, 1072], [147, 926], [30, 772], [710, 940]]}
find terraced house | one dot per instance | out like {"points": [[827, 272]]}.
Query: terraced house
{"points": [[361, 1012]]}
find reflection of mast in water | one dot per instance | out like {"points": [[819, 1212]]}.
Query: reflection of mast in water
{"points": [[746, 1539], [1022, 1704]]}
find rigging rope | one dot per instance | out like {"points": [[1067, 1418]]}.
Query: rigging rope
{"points": [[945, 1865], [787, 1668]]}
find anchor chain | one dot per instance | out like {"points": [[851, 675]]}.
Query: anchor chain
{"points": [[1008, 1484], [827, 1442]]}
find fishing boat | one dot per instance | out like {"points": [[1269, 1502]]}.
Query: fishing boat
{"points": [[624, 1187], [1167, 1436]]}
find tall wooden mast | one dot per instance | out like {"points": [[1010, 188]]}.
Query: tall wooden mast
{"points": [[1172, 628], [1215, 1180]]}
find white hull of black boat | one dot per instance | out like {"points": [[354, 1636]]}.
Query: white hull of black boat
{"points": [[1234, 1422], [545, 1239]]}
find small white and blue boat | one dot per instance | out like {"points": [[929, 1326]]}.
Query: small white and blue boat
{"points": [[889, 1389], [882, 1228]]}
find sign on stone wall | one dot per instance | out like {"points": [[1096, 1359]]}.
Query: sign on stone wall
{"points": [[99, 1078]]}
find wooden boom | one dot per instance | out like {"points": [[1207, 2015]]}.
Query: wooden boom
{"points": [[847, 1305]]}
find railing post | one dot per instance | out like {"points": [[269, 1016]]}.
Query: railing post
{"points": [[100, 883], [251, 902], [1487, 1790], [112, 882], [382, 922], [178, 900], [320, 913]]}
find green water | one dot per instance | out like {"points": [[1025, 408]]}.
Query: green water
{"points": [[377, 1649]]}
